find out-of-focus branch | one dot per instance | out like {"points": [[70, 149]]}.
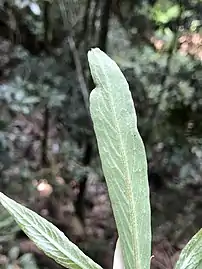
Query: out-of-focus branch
{"points": [[79, 203], [46, 114], [94, 17], [80, 75], [104, 24], [84, 32]]}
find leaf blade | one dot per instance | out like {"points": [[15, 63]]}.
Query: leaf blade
{"points": [[48, 237], [123, 158], [191, 255]]}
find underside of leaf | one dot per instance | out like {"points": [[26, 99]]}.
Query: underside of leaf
{"points": [[123, 158]]}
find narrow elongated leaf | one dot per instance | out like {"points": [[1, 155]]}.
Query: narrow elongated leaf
{"points": [[48, 237], [191, 255], [123, 158]]}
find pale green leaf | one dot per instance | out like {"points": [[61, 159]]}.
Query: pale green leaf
{"points": [[173, 12], [123, 158], [191, 255], [48, 237]]}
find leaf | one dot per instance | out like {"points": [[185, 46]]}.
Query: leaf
{"points": [[31, 100], [123, 158], [165, 12], [48, 237], [173, 12], [35, 9], [118, 257], [191, 255]]}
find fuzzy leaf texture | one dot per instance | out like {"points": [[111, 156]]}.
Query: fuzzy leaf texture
{"points": [[48, 237], [123, 158], [191, 255]]}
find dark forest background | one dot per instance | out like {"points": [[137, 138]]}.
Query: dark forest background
{"points": [[48, 153]]}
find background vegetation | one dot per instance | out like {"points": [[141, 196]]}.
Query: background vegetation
{"points": [[48, 153]]}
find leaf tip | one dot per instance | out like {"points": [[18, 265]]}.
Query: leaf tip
{"points": [[93, 51], [93, 56]]}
